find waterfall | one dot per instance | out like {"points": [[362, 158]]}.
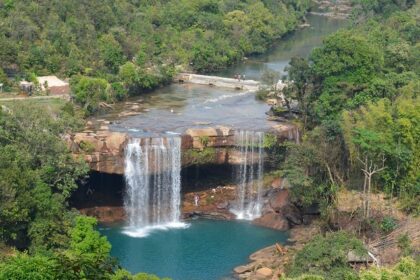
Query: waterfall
{"points": [[153, 183], [249, 174]]}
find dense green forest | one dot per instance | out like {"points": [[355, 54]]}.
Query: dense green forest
{"points": [[112, 48], [40, 236], [358, 99], [359, 102]]}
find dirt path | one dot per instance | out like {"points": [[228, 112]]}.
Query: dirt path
{"points": [[62, 96]]}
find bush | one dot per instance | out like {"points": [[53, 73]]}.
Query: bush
{"points": [[89, 92], [404, 244], [118, 91], [406, 269], [388, 224], [326, 256]]}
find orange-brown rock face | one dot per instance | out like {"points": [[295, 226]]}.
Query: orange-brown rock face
{"points": [[272, 220], [212, 203], [106, 214], [104, 150]]}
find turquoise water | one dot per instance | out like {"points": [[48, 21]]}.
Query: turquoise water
{"points": [[206, 250]]}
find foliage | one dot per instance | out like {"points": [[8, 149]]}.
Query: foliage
{"points": [[407, 269], [312, 168], [86, 256], [96, 38], [125, 275], [23, 267], [382, 7], [388, 224], [358, 97], [270, 140], [326, 256], [206, 155], [388, 132], [38, 175], [270, 78], [89, 92], [404, 244]]}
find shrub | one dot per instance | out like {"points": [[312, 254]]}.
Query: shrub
{"points": [[388, 224], [326, 256]]}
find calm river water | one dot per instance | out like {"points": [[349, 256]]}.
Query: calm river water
{"points": [[207, 250], [178, 107]]}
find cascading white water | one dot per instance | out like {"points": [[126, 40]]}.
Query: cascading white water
{"points": [[249, 174], [153, 183]]}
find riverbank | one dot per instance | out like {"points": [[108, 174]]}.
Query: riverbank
{"points": [[269, 262], [385, 247]]}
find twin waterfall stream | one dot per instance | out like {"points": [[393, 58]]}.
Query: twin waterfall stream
{"points": [[249, 174], [153, 181]]}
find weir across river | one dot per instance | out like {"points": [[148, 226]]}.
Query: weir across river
{"points": [[238, 83]]}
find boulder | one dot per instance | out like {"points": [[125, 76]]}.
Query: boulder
{"points": [[264, 272], [272, 220], [277, 183], [279, 199], [222, 205], [245, 268], [292, 214]]}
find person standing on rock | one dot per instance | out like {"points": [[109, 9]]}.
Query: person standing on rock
{"points": [[196, 199]]}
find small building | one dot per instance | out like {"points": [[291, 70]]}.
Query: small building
{"points": [[26, 87], [53, 85]]}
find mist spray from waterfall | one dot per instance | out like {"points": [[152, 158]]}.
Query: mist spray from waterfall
{"points": [[249, 174], [153, 184]]}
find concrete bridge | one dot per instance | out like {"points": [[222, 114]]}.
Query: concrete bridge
{"points": [[216, 81]]}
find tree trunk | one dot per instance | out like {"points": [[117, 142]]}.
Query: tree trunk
{"points": [[368, 196]]}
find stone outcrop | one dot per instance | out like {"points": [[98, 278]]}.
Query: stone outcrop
{"points": [[104, 150], [106, 214], [278, 212], [213, 204], [276, 257], [272, 220]]}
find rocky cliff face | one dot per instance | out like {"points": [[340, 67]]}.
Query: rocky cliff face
{"points": [[278, 212], [104, 150]]}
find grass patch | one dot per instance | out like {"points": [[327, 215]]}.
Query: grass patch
{"points": [[207, 155]]}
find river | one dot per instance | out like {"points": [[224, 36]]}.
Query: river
{"points": [[177, 107], [206, 249]]}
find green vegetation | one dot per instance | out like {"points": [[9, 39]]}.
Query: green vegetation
{"points": [[358, 98], [326, 256], [407, 269], [199, 157], [115, 48], [359, 105], [38, 175], [388, 224]]}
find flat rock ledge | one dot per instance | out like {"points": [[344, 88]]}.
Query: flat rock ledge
{"points": [[263, 265], [104, 150]]}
